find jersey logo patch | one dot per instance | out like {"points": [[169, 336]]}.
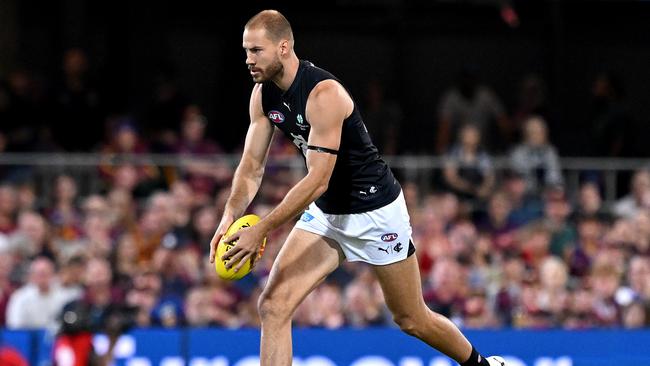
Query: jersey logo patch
{"points": [[276, 116]]}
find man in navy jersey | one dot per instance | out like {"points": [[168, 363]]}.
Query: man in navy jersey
{"points": [[352, 207]]}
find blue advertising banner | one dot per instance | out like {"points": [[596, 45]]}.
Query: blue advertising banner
{"points": [[367, 347]]}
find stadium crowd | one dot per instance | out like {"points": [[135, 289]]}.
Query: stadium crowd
{"points": [[508, 248]]}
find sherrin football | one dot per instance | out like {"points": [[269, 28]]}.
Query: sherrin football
{"points": [[222, 247]]}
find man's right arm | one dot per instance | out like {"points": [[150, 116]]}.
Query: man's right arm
{"points": [[249, 173]]}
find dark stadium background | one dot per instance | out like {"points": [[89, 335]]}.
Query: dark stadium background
{"points": [[415, 47]]}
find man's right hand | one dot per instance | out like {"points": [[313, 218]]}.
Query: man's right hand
{"points": [[225, 223]]}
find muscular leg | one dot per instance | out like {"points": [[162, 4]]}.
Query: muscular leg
{"points": [[303, 262], [403, 292]]}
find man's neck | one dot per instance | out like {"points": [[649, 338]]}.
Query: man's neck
{"points": [[285, 79]]}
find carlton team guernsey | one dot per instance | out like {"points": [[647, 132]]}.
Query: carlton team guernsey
{"points": [[361, 180]]}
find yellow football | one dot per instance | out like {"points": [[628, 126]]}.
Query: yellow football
{"points": [[222, 247]]}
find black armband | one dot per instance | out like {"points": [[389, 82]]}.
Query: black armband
{"points": [[322, 149]]}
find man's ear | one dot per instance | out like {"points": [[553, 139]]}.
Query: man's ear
{"points": [[284, 47]]}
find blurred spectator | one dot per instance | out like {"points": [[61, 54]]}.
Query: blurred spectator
{"points": [[4, 170], [511, 283], [580, 314], [63, 214], [203, 176], [32, 236], [468, 170], [498, 223], [183, 198], [26, 197], [101, 309], [7, 286], [121, 208], [99, 296], [589, 242], [199, 307], [205, 221], [610, 127], [531, 100], [97, 239], [71, 274], [446, 291], [8, 207], [526, 206], [153, 225], [636, 315], [224, 297], [38, 303], [470, 101], [638, 198], [330, 306], [556, 215], [553, 296], [476, 312], [590, 203], [604, 280], [363, 301], [535, 158], [20, 111], [383, 118], [78, 105], [535, 241], [638, 281], [178, 270], [118, 155], [144, 295], [165, 111], [429, 234]]}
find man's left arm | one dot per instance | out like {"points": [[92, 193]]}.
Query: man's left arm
{"points": [[327, 106]]}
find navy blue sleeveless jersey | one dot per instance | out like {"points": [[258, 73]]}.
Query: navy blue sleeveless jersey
{"points": [[361, 180]]}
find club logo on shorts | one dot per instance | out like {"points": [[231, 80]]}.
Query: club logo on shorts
{"points": [[398, 247], [389, 237], [276, 117]]}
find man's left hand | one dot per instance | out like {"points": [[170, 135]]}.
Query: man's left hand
{"points": [[248, 243]]}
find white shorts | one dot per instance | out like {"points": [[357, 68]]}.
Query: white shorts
{"points": [[379, 237]]}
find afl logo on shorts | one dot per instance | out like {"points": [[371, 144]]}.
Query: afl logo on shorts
{"points": [[276, 116], [389, 237]]}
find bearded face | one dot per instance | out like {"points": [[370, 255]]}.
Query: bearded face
{"points": [[262, 55]]}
